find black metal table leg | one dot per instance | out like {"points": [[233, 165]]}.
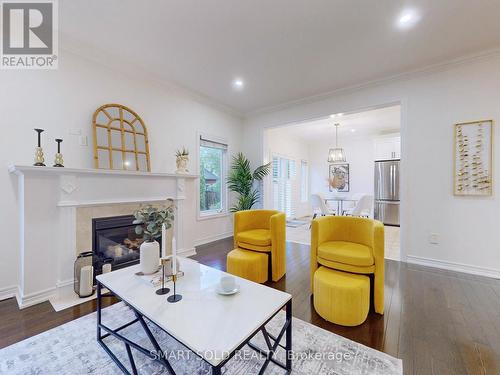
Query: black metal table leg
{"points": [[288, 338], [131, 359], [99, 336], [99, 297], [159, 352]]}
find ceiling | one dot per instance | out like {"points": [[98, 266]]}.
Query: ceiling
{"points": [[284, 50], [356, 125]]}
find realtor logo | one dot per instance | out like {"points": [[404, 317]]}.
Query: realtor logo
{"points": [[29, 38]]}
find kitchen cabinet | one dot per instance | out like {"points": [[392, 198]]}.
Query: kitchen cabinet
{"points": [[388, 148]]}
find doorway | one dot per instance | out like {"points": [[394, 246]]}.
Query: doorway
{"points": [[371, 142]]}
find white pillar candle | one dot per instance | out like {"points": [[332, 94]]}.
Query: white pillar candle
{"points": [[86, 280], [163, 240], [174, 256], [106, 268]]}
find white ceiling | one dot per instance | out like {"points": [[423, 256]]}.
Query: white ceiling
{"points": [[356, 125], [284, 49]]}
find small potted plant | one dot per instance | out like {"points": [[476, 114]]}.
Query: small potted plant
{"points": [[181, 159], [149, 221]]}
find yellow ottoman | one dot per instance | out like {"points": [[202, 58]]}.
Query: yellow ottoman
{"points": [[251, 265], [340, 297]]}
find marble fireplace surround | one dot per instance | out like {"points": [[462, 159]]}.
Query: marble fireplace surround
{"points": [[55, 203], [84, 216]]}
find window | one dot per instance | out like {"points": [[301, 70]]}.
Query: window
{"points": [[304, 181], [284, 172], [212, 176]]}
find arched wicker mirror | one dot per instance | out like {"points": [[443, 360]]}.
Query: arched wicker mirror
{"points": [[120, 139]]}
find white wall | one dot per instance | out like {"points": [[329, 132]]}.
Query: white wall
{"points": [[360, 157], [65, 99], [278, 142], [432, 102]]}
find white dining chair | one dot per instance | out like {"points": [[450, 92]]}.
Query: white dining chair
{"points": [[363, 208], [319, 206], [350, 204]]}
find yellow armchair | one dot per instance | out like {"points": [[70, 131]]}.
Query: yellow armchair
{"points": [[265, 231], [350, 244]]}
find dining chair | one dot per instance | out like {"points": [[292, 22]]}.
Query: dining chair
{"points": [[363, 207], [320, 207], [350, 204]]}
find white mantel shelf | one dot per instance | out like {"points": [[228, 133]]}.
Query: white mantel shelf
{"points": [[23, 169]]}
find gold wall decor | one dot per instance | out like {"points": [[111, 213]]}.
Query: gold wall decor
{"points": [[120, 139], [473, 158]]}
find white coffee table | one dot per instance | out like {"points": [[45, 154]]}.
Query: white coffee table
{"points": [[213, 326]]}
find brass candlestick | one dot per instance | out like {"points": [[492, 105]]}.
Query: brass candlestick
{"points": [[39, 158], [59, 162], [163, 290], [174, 297]]}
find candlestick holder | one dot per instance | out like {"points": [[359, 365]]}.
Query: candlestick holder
{"points": [[59, 162], [174, 297], [39, 158], [163, 290]]}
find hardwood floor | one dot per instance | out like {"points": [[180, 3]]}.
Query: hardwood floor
{"points": [[439, 322]]}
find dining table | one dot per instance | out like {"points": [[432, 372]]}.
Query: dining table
{"points": [[340, 199]]}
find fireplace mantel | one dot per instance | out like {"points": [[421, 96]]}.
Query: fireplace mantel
{"points": [[73, 179], [48, 200], [23, 169]]}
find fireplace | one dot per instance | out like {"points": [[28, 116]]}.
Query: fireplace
{"points": [[114, 241]]}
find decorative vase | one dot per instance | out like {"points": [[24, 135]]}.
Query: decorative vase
{"points": [[182, 162], [149, 257]]}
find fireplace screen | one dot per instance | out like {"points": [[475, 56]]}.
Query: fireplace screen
{"points": [[115, 242]]}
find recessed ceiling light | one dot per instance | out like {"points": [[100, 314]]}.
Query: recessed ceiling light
{"points": [[353, 130], [238, 84], [408, 18], [336, 115]]}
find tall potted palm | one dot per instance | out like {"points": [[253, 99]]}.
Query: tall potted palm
{"points": [[241, 180]]}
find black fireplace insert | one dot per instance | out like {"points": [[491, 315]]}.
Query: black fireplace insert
{"points": [[114, 241]]}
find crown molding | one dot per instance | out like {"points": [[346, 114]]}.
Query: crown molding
{"points": [[420, 72], [105, 58]]}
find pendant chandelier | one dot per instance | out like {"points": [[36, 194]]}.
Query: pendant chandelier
{"points": [[337, 154]]}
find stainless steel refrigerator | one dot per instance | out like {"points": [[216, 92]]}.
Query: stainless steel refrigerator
{"points": [[387, 192]]}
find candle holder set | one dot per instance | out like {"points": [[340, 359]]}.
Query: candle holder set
{"points": [[171, 262], [163, 290], [174, 275], [39, 155], [174, 297]]}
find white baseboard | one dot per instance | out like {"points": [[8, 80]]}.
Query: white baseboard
{"points": [[34, 298], [65, 283], [187, 252], [452, 266], [208, 239], [8, 292]]}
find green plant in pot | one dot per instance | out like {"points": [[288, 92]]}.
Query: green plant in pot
{"points": [[149, 221], [242, 180]]}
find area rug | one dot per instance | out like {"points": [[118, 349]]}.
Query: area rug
{"points": [[72, 349]]}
